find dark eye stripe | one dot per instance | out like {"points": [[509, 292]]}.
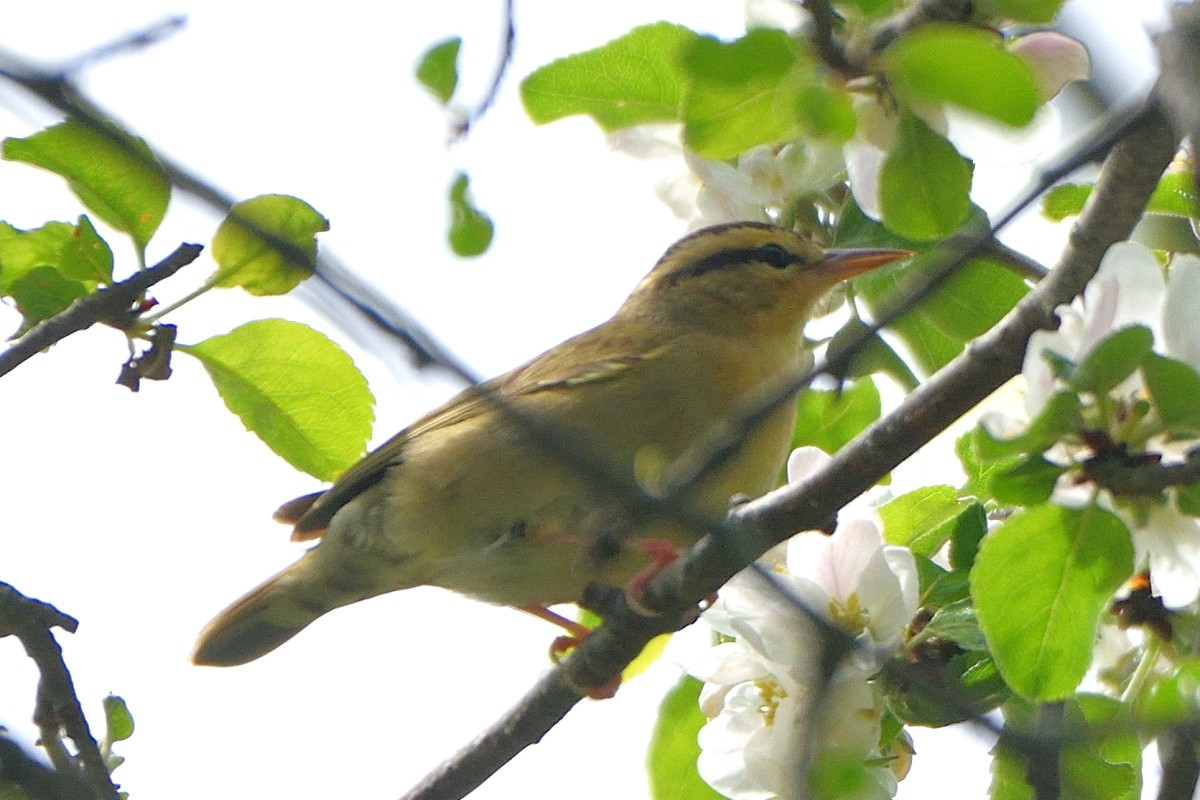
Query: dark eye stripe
{"points": [[774, 254]]}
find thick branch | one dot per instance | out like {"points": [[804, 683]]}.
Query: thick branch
{"points": [[110, 304], [1131, 172]]}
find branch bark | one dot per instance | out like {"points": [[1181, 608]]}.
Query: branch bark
{"points": [[1129, 176], [110, 304]]}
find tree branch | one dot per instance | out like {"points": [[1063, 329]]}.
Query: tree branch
{"points": [[1129, 176], [58, 706], [110, 304]]}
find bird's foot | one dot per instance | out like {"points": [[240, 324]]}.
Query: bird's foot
{"points": [[563, 645]]}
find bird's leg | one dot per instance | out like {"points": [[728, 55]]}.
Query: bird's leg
{"points": [[576, 633], [662, 552]]}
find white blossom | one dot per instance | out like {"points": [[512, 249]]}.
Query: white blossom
{"points": [[771, 710]]}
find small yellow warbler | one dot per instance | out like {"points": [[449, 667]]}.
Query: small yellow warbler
{"points": [[466, 497]]}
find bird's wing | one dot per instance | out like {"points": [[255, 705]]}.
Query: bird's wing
{"points": [[599, 355]]}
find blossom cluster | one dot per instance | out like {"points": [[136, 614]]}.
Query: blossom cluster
{"points": [[776, 706]]}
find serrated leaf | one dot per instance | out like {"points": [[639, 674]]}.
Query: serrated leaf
{"points": [[1173, 388], [1060, 417], [1040, 583], [1065, 200], [671, 757], [916, 519], [1112, 360], [117, 719], [634, 79], [1028, 10], [964, 66], [829, 419], [112, 173], [86, 256], [924, 183], [742, 93], [437, 70], [295, 389], [1029, 482], [267, 245], [471, 230]]}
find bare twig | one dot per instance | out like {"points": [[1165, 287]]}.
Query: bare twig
{"points": [[1130, 174], [58, 706], [110, 304], [463, 125]]}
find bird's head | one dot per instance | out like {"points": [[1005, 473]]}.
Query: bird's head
{"points": [[745, 277]]}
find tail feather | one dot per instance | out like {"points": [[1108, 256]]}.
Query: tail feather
{"points": [[264, 618]]}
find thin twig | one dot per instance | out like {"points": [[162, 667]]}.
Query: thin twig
{"points": [[1130, 174], [58, 706], [463, 126], [827, 46], [110, 304]]}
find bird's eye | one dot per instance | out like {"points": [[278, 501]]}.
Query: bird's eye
{"points": [[776, 255]]}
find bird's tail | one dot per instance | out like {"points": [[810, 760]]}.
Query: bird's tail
{"points": [[266, 617]]}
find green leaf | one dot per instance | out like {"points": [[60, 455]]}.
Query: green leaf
{"points": [[1041, 581], [1175, 195], [267, 244], [1061, 417], [826, 112], [1112, 360], [939, 586], [924, 183], [1175, 698], [870, 8], [86, 256], [1065, 200], [936, 691], [840, 775], [671, 758], [437, 70], [23, 251], [967, 532], [295, 389], [43, 292], [635, 79], [964, 66], [1028, 10], [1187, 499], [1100, 760], [1173, 388], [957, 623], [1029, 482], [872, 354], [471, 230], [112, 173], [117, 719], [979, 472], [743, 93], [922, 520], [830, 419]]}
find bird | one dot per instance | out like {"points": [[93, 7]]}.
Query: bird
{"points": [[479, 496]]}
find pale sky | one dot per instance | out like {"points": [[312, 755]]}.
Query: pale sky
{"points": [[143, 515]]}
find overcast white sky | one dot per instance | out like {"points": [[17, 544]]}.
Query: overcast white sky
{"points": [[142, 515]]}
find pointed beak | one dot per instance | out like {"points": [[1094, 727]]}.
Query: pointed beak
{"points": [[841, 265]]}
